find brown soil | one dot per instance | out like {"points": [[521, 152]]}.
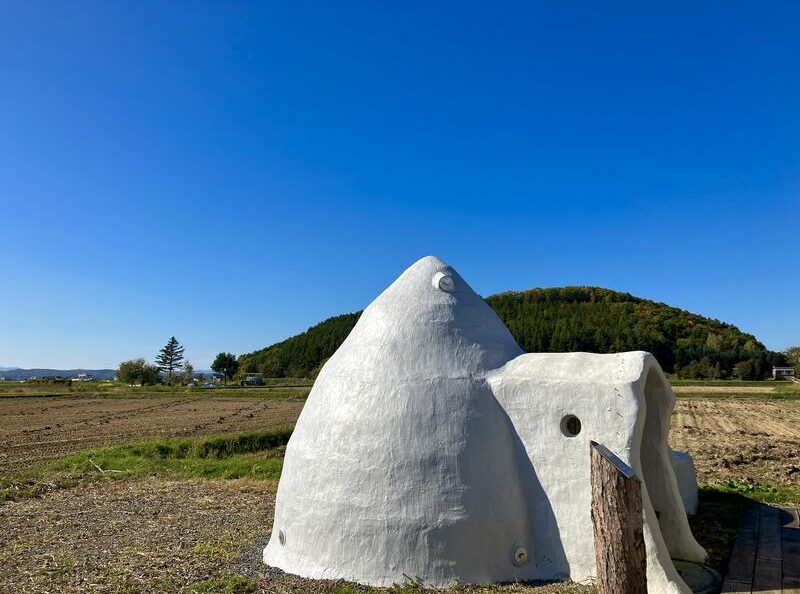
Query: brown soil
{"points": [[752, 440], [154, 535], [757, 440], [34, 430], [724, 389], [129, 536]]}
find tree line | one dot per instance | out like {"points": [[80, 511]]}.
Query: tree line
{"points": [[589, 319], [171, 367], [598, 320]]}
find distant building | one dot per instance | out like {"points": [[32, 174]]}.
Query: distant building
{"points": [[254, 379], [779, 373], [84, 377]]}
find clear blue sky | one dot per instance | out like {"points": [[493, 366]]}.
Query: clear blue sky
{"points": [[232, 173]]}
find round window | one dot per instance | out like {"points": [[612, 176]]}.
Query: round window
{"points": [[570, 425]]}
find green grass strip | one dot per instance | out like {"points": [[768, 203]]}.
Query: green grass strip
{"points": [[253, 454], [760, 396], [786, 495]]}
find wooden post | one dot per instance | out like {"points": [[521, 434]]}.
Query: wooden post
{"points": [[618, 527]]}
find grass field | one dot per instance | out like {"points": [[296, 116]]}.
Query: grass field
{"points": [[287, 389], [109, 488], [731, 383], [732, 389]]}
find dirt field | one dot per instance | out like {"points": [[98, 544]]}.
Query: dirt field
{"points": [[34, 430], [157, 535], [154, 535], [754, 440], [724, 389], [128, 536]]}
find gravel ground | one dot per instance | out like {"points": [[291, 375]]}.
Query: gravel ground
{"points": [[155, 535], [146, 535]]}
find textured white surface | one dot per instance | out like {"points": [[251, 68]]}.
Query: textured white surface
{"points": [[623, 401], [430, 447], [683, 466]]}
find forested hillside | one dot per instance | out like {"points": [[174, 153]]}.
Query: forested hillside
{"points": [[567, 319], [301, 355]]}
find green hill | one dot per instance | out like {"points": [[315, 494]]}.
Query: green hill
{"points": [[566, 319]]}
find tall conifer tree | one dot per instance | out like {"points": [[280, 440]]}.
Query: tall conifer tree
{"points": [[170, 358]]}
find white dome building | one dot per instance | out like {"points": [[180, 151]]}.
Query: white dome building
{"points": [[432, 448]]}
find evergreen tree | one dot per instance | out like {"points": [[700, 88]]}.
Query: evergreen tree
{"points": [[170, 358]]}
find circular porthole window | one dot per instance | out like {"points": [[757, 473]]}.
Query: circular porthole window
{"points": [[570, 425], [282, 537]]}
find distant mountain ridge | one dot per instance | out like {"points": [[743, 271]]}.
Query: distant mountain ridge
{"points": [[15, 373], [590, 319]]}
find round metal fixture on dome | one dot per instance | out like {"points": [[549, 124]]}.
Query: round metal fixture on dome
{"points": [[520, 556], [444, 282]]}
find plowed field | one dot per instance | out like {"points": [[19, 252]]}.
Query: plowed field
{"points": [[35, 430], [158, 535], [756, 440], [744, 438]]}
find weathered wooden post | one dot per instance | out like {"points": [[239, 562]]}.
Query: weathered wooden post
{"points": [[618, 527]]}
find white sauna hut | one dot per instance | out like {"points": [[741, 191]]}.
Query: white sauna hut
{"points": [[432, 447]]}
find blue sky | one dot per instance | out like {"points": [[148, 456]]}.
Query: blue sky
{"points": [[232, 173]]}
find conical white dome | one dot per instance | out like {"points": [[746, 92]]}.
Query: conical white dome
{"points": [[431, 448], [402, 462]]}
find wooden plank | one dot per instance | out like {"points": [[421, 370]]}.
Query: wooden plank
{"points": [[751, 518], [769, 535], [791, 585], [743, 556], [768, 577], [768, 572], [790, 538], [730, 586], [617, 523]]}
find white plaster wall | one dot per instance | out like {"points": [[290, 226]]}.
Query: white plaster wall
{"points": [[610, 395], [683, 466]]}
